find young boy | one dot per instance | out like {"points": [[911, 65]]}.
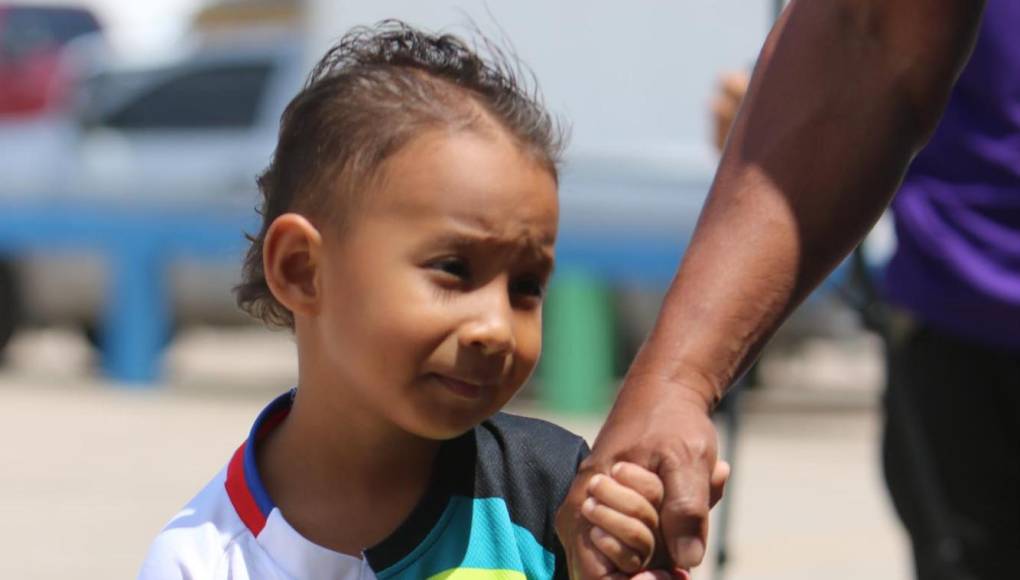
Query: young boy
{"points": [[410, 216]]}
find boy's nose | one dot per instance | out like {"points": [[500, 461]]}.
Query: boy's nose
{"points": [[490, 332]]}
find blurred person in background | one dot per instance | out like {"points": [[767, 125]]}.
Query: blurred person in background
{"points": [[952, 460], [952, 433], [843, 95], [951, 322]]}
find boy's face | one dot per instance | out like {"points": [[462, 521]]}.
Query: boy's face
{"points": [[431, 313]]}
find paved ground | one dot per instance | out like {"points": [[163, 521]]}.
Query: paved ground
{"points": [[89, 471]]}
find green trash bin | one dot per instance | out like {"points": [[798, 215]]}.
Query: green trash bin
{"points": [[577, 370]]}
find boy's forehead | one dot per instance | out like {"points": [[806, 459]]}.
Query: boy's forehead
{"points": [[481, 179], [532, 233]]}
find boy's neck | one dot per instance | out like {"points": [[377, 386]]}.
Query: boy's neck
{"points": [[342, 479]]}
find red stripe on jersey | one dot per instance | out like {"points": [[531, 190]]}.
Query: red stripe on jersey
{"points": [[240, 495]]}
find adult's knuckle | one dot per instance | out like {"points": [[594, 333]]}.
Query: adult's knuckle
{"points": [[686, 454], [684, 508], [699, 448]]}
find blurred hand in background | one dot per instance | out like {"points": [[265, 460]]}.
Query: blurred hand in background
{"points": [[730, 91]]}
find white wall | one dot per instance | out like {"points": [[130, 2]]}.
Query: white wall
{"points": [[633, 78]]}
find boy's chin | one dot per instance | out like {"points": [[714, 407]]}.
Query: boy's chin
{"points": [[445, 431], [445, 426]]}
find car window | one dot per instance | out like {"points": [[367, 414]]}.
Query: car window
{"points": [[25, 29], [208, 98]]}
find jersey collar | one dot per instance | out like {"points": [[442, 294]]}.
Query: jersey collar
{"points": [[244, 486], [454, 474]]}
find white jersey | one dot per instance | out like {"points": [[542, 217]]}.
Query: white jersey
{"points": [[488, 514], [209, 540], [232, 531]]}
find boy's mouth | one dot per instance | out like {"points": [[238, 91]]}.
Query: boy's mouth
{"points": [[465, 389]]}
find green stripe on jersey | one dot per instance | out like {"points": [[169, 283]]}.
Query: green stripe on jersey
{"points": [[479, 574], [475, 539]]}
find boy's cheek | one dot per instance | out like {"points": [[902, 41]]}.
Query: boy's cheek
{"points": [[527, 355]]}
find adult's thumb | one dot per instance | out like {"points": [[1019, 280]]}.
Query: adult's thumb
{"points": [[684, 517]]}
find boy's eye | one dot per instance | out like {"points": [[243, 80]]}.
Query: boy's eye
{"points": [[457, 267], [529, 286]]}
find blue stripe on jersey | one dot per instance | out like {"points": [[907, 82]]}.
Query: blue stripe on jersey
{"points": [[267, 420], [475, 533]]}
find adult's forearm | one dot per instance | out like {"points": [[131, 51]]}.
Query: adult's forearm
{"points": [[844, 94]]}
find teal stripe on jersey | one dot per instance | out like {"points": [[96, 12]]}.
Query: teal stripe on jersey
{"points": [[475, 533]]}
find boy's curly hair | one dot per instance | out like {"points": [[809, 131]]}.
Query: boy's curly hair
{"points": [[374, 91]]}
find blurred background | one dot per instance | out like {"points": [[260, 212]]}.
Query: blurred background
{"points": [[130, 136]]}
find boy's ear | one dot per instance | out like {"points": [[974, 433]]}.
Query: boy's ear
{"points": [[290, 262]]}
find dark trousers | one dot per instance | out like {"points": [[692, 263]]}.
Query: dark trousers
{"points": [[951, 454]]}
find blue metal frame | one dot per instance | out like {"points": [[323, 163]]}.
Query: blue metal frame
{"points": [[138, 241]]}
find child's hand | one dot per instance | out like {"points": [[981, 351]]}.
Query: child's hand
{"points": [[623, 509]]}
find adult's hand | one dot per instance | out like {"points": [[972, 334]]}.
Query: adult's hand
{"points": [[666, 429]]}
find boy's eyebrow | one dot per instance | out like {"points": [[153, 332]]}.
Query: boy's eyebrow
{"points": [[458, 239], [463, 239], [466, 236]]}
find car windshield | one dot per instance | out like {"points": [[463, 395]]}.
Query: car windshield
{"points": [[24, 29], [215, 96]]}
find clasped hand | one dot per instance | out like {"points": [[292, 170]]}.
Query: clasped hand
{"points": [[639, 505]]}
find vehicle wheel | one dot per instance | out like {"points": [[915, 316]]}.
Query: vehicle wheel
{"points": [[10, 303]]}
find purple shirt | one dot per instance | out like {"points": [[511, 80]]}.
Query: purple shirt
{"points": [[957, 263]]}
